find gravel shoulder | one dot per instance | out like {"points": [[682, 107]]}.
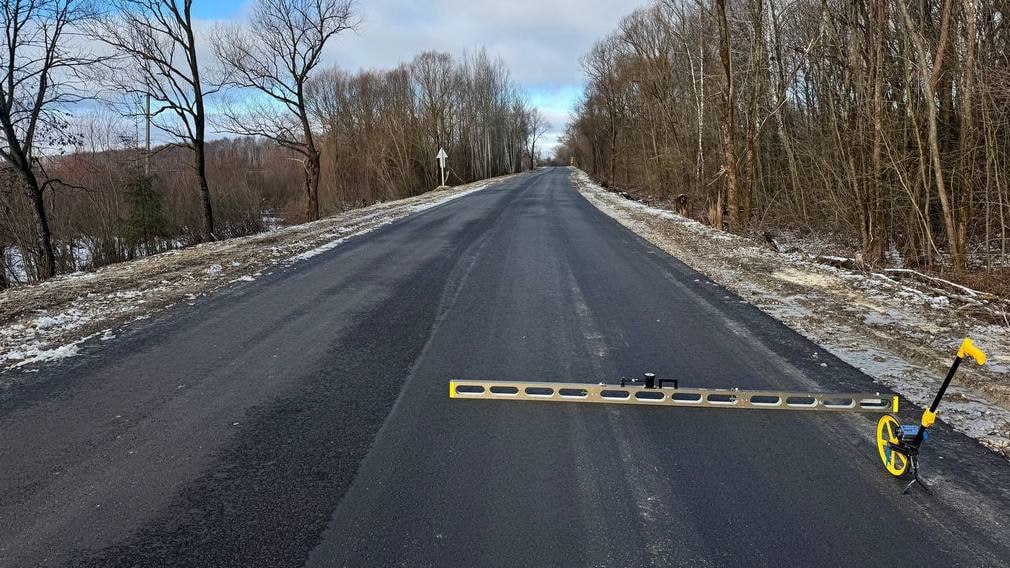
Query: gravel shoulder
{"points": [[900, 333], [46, 322]]}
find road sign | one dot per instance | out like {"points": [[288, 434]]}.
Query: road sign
{"points": [[441, 156]]}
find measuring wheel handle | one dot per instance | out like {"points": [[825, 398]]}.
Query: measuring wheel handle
{"points": [[969, 349]]}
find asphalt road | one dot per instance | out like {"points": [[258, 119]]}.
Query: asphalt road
{"points": [[303, 419]]}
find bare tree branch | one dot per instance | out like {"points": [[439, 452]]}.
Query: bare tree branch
{"points": [[273, 58], [156, 55]]}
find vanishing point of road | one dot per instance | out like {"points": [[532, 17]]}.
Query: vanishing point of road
{"points": [[303, 419]]}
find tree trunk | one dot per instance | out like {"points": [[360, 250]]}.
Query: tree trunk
{"points": [[779, 94], [199, 130], [967, 148], [728, 127], [930, 79], [875, 235], [312, 169], [201, 174], [751, 157], [613, 152], [21, 165], [48, 267], [43, 234]]}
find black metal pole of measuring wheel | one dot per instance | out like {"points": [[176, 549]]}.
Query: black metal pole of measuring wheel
{"points": [[936, 401]]}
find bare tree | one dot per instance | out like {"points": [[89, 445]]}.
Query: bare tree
{"points": [[398, 119], [41, 75], [156, 55], [728, 126], [537, 125], [931, 74], [394, 118], [601, 66], [888, 120], [274, 57]]}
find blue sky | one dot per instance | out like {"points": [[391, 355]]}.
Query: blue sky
{"points": [[217, 9], [540, 40]]}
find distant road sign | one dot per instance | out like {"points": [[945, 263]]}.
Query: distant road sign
{"points": [[441, 156]]}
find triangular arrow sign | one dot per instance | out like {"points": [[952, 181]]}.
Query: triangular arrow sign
{"points": [[441, 162]]}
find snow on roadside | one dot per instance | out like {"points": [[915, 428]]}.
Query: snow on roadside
{"points": [[901, 335], [447, 198], [342, 232], [319, 249], [34, 355], [48, 321]]}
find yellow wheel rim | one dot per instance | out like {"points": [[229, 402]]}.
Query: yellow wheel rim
{"points": [[887, 432]]}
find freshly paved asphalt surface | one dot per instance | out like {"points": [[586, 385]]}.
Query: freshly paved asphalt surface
{"points": [[304, 419]]}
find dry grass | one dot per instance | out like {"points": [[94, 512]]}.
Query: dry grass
{"points": [[996, 282]]}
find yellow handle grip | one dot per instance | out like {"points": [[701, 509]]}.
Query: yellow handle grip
{"points": [[968, 349]]}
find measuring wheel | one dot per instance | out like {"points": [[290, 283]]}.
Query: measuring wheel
{"points": [[888, 430]]}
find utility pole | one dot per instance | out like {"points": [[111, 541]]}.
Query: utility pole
{"points": [[147, 136]]}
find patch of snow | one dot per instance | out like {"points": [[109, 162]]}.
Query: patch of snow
{"points": [[67, 320], [804, 278], [318, 250], [46, 322], [271, 222], [33, 356], [939, 301], [689, 224], [347, 233], [879, 318], [442, 201], [16, 269]]}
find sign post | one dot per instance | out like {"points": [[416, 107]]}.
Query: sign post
{"points": [[441, 162]]}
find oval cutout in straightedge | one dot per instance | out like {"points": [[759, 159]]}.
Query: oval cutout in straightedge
{"points": [[545, 392]]}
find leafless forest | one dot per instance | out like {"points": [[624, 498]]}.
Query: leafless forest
{"points": [[887, 123], [248, 132]]}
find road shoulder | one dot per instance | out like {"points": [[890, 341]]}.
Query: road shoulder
{"points": [[901, 336]]}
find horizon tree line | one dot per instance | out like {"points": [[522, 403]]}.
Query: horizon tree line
{"points": [[76, 187]]}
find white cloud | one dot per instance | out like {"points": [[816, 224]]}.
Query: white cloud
{"points": [[541, 41]]}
